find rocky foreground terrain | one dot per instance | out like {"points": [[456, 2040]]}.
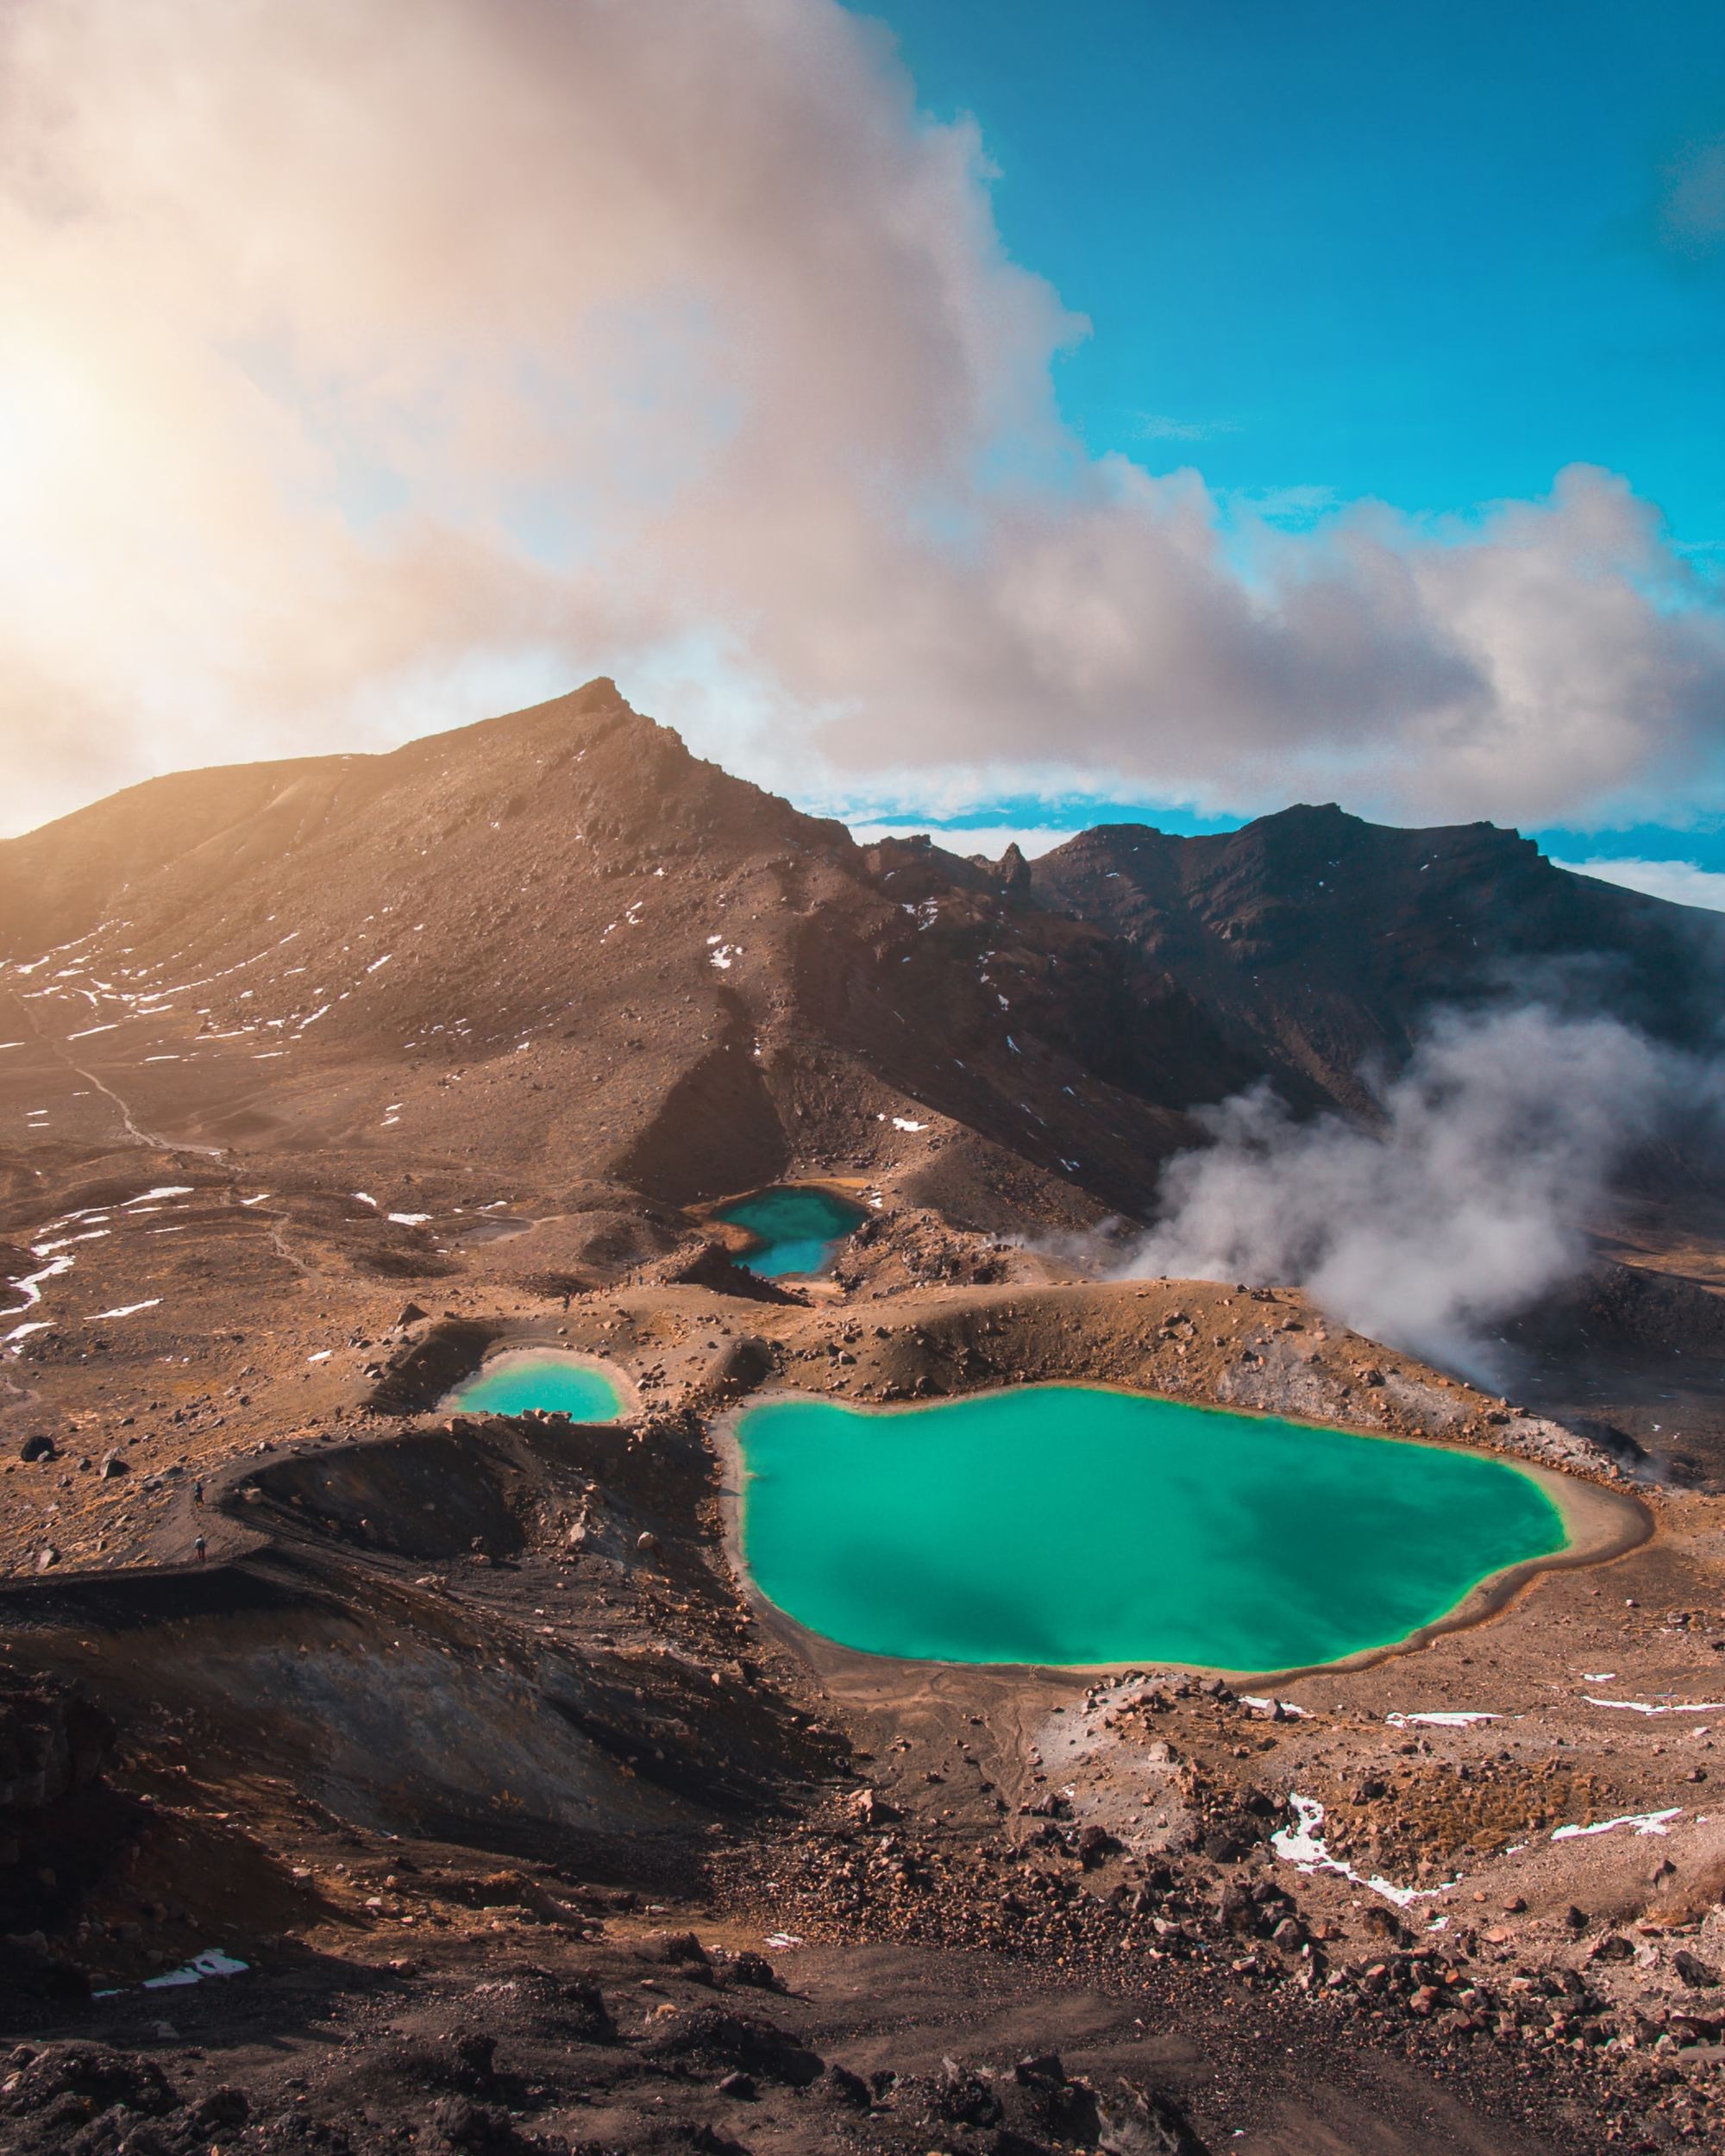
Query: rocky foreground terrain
{"points": [[372, 1778]]}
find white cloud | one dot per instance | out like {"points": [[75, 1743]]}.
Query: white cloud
{"points": [[363, 368], [990, 840], [1685, 881]]}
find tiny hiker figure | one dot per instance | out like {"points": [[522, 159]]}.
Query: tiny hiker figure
{"points": [[197, 1493], [198, 1547]]}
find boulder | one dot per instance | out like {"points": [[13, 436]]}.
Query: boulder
{"points": [[96, 2078], [847, 2088]]}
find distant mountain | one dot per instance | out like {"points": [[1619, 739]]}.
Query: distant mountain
{"points": [[1315, 940], [557, 944]]}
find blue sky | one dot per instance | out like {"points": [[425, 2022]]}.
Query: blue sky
{"points": [[1424, 255], [1169, 407]]}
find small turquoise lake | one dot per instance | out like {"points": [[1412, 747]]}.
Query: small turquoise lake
{"points": [[548, 1379], [1064, 1524], [796, 1229]]}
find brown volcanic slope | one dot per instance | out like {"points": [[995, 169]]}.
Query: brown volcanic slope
{"points": [[558, 944]]}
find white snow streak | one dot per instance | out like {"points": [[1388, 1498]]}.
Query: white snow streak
{"points": [[1304, 1845], [1643, 1707], [1643, 1823]]}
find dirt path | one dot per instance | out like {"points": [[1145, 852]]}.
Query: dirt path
{"points": [[133, 1130]]}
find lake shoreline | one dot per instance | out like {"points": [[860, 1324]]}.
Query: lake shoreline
{"points": [[1599, 1525], [507, 1360], [811, 1216]]}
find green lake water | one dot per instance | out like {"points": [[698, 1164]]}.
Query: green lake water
{"points": [[1068, 1524], [797, 1229], [539, 1377]]}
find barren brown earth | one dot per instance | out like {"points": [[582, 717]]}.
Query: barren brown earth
{"points": [[533, 1826]]}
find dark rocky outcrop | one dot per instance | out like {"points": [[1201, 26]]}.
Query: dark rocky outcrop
{"points": [[52, 1743], [1315, 941]]}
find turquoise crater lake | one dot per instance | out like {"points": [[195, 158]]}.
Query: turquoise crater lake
{"points": [[1062, 1524], [547, 1379], [796, 1229]]}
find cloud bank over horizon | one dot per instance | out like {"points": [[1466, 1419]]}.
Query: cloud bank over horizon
{"points": [[1684, 882], [368, 369]]}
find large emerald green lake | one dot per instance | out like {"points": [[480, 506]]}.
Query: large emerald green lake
{"points": [[796, 1230], [549, 1379], [1064, 1524]]}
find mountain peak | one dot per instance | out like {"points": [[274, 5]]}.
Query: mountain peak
{"points": [[657, 964]]}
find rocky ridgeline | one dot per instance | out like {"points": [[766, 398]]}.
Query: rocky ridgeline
{"points": [[1280, 1376], [951, 1329], [559, 944]]}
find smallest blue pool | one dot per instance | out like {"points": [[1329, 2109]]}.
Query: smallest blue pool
{"points": [[547, 1379], [796, 1229]]}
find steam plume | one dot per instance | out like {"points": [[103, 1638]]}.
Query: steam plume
{"points": [[1468, 1202]]}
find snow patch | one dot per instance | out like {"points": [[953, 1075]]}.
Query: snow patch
{"points": [[31, 1285], [1643, 1823], [1303, 1844], [1644, 1706], [212, 1962]]}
